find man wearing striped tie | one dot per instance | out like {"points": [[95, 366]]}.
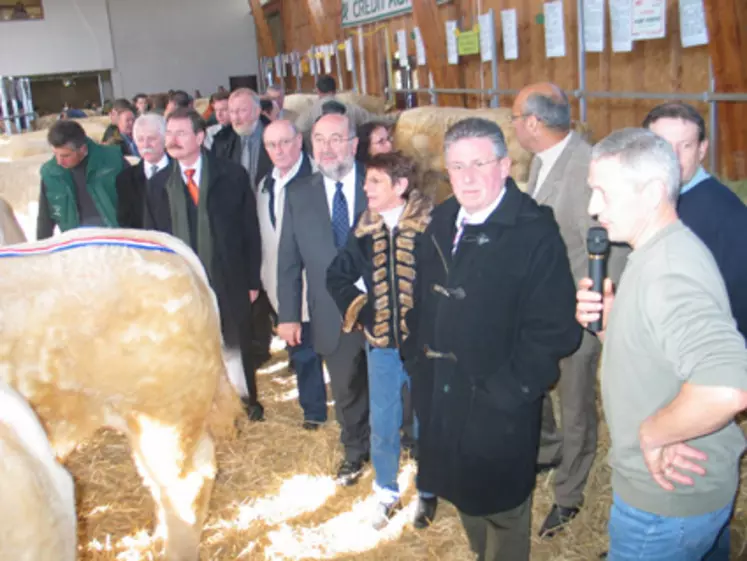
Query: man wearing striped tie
{"points": [[205, 201]]}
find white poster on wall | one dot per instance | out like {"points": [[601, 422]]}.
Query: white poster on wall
{"points": [[451, 42], [402, 46], [419, 48], [620, 24], [649, 19], [554, 29], [693, 28], [594, 26], [327, 50], [487, 36], [349, 56], [510, 34]]}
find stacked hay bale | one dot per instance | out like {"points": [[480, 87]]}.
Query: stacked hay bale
{"points": [[420, 133], [299, 103], [201, 104]]}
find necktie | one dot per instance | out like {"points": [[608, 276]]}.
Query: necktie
{"points": [[534, 170], [154, 170], [458, 235], [245, 152], [194, 190], [270, 186], [340, 218]]}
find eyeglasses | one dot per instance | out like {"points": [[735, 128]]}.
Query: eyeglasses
{"points": [[459, 167], [282, 143], [335, 141]]}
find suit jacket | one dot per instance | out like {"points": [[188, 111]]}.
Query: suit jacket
{"points": [[227, 144], [131, 195], [271, 234], [306, 244], [232, 214], [567, 192]]}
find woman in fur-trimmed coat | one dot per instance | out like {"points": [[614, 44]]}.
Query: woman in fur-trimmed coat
{"points": [[380, 252]]}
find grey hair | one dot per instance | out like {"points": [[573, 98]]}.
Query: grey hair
{"points": [[475, 127], [248, 92], [643, 156], [553, 111], [150, 120], [290, 124], [352, 129]]}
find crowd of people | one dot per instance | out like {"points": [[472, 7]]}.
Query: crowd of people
{"points": [[445, 328]]}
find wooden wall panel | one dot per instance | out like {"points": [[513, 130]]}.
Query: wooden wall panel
{"points": [[654, 66]]}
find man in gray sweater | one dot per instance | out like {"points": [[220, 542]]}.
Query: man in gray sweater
{"points": [[674, 366]]}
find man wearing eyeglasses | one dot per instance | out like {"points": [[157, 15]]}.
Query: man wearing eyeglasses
{"points": [[557, 178], [320, 211], [493, 316], [290, 165]]}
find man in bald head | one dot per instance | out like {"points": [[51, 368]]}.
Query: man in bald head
{"points": [[290, 165], [558, 178]]}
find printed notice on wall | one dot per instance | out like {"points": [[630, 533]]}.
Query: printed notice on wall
{"points": [[510, 35], [649, 19], [554, 29], [620, 24], [349, 56], [327, 59], [402, 45], [487, 36], [594, 26], [419, 48], [693, 29], [451, 42]]}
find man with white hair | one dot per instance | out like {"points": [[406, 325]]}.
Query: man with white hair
{"points": [[149, 134], [242, 141], [674, 366]]}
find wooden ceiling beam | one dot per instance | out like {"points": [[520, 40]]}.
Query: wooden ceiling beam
{"points": [[264, 36], [427, 18], [322, 29]]}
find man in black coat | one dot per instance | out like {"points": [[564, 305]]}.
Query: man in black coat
{"points": [[242, 141], [493, 316], [205, 201], [149, 133]]}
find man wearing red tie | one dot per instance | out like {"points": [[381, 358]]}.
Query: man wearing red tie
{"points": [[207, 203]]}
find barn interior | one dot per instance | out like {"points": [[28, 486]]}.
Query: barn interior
{"points": [[423, 63]]}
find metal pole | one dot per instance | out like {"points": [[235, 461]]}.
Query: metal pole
{"points": [[4, 112], [712, 122], [338, 63], [297, 63], [356, 84], [389, 68], [28, 106], [364, 88], [581, 61], [101, 89], [494, 101], [431, 89]]}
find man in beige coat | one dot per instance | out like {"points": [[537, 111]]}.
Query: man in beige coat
{"points": [[557, 178]]}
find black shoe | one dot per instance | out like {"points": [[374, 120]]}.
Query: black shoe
{"points": [[311, 425], [349, 472], [603, 555], [254, 411], [544, 468], [559, 516], [425, 513]]}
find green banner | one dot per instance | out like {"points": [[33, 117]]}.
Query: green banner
{"points": [[361, 12]]}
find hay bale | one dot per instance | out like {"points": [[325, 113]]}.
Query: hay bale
{"points": [[201, 104], [371, 103], [20, 146], [420, 133], [299, 103]]}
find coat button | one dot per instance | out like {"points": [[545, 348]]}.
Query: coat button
{"points": [[447, 388], [525, 389]]}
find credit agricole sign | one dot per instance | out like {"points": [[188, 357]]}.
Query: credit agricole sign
{"points": [[359, 12]]}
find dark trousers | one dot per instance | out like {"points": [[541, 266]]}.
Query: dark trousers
{"points": [[504, 536], [349, 381], [312, 392], [575, 443]]}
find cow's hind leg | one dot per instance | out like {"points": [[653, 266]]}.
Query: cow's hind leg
{"points": [[180, 476]]}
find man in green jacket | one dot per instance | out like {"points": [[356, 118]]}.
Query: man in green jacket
{"points": [[78, 185]]}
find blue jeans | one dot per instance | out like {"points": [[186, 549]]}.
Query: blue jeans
{"points": [[386, 377], [312, 392], [639, 535]]}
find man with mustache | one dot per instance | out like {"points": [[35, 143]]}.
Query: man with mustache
{"points": [[203, 200], [319, 213], [149, 133]]}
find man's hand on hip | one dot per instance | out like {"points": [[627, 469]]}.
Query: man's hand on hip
{"points": [[290, 333]]}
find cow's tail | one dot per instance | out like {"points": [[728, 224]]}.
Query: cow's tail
{"points": [[226, 409]]}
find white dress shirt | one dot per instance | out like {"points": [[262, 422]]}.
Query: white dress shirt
{"points": [[348, 189], [480, 216], [148, 168], [197, 166], [548, 158]]}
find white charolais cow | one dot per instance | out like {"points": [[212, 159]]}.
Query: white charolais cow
{"points": [[119, 328], [37, 516]]}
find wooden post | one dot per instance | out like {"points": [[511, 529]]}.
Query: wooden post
{"points": [[264, 37], [426, 16], [727, 45]]}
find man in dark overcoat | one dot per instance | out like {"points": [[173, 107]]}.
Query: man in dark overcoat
{"points": [[493, 316]]}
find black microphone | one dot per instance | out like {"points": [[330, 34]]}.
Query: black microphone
{"points": [[598, 246]]}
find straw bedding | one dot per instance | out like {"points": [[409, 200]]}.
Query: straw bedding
{"points": [[274, 499]]}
